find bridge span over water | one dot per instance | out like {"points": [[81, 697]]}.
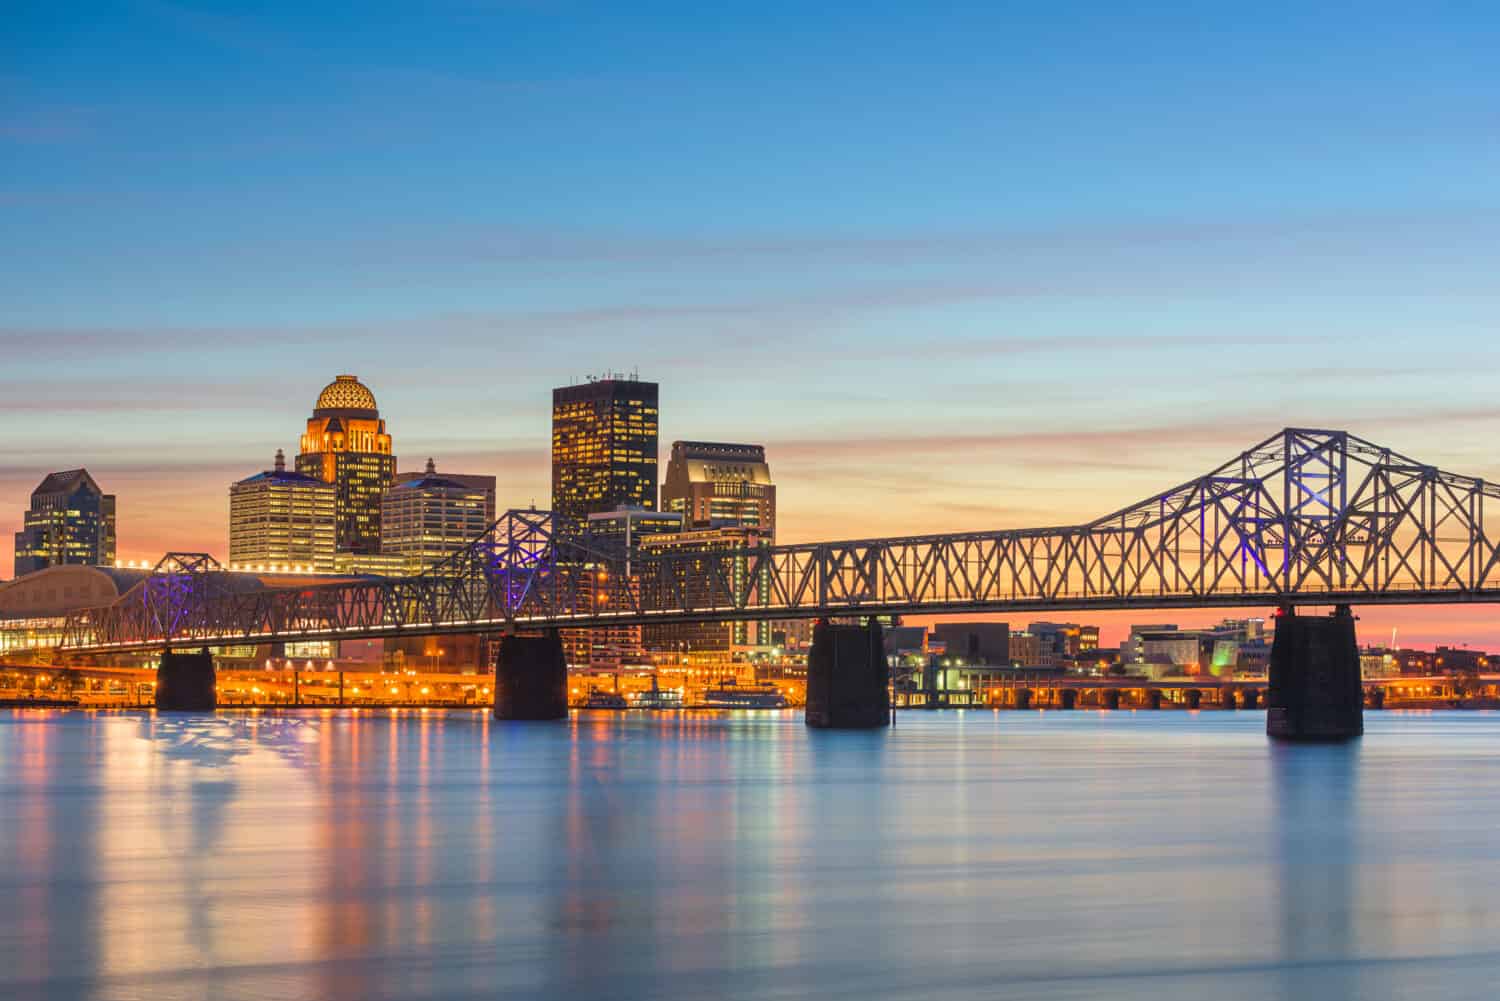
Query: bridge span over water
{"points": [[1304, 517]]}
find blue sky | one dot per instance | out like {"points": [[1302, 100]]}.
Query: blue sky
{"points": [[981, 265]]}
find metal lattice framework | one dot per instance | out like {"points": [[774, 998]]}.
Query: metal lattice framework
{"points": [[1305, 516]]}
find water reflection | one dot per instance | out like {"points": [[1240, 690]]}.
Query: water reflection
{"points": [[1314, 793], [358, 855]]}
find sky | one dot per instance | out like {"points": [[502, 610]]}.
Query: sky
{"points": [[958, 266]]}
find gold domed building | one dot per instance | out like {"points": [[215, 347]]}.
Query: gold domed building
{"points": [[346, 444]]}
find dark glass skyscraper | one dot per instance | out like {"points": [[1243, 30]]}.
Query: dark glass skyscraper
{"points": [[603, 447], [70, 520]]}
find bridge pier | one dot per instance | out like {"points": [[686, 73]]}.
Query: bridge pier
{"points": [[1250, 697], [847, 678], [531, 678], [1315, 691], [185, 682]]}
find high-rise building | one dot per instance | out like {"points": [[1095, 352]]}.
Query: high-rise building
{"points": [[70, 521], [281, 517], [712, 639], [604, 447], [718, 484], [620, 531], [474, 480], [346, 444], [625, 527], [426, 519]]}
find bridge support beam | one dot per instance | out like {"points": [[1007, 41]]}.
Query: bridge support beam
{"points": [[531, 678], [847, 678], [1315, 691], [185, 682]]}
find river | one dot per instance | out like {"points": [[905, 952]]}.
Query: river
{"points": [[409, 854]]}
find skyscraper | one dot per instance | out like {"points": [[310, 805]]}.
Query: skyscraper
{"points": [[712, 639], [603, 447], [720, 485], [70, 520], [428, 518], [346, 444], [281, 517]]}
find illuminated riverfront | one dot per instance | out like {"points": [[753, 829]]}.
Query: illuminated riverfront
{"points": [[763, 501]]}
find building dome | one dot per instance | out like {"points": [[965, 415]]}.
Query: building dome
{"points": [[346, 395]]}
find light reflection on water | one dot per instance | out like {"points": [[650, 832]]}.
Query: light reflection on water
{"points": [[960, 855]]}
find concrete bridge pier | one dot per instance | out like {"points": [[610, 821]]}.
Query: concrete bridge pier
{"points": [[1315, 691], [847, 678], [186, 682], [531, 677]]}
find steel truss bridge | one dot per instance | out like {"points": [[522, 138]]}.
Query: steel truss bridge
{"points": [[1307, 516]]}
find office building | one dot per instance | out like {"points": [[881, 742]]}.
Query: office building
{"points": [[604, 448], [710, 640], [616, 533], [426, 519], [474, 481], [346, 444], [718, 484], [280, 517], [623, 528], [71, 521]]}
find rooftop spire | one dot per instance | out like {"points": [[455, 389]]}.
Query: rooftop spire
{"points": [[280, 461], [431, 467]]}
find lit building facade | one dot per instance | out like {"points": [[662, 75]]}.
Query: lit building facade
{"points": [[472, 480], [346, 444], [71, 521], [604, 447], [281, 517], [712, 640], [720, 484], [617, 531], [425, 520]]}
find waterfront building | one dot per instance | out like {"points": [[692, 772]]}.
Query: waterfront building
{"points": [[604, 447], [719, 484], [975, 642], [346, 444], [710, 640], [281, 517], [71, 521], [1133, 650], [1065, 639], [426, 519]]}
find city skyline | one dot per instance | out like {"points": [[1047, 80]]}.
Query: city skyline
{"points": [[1428, 626], [914, 255]]}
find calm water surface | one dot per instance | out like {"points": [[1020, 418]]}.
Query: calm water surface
{"points": [[961, 855]]}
